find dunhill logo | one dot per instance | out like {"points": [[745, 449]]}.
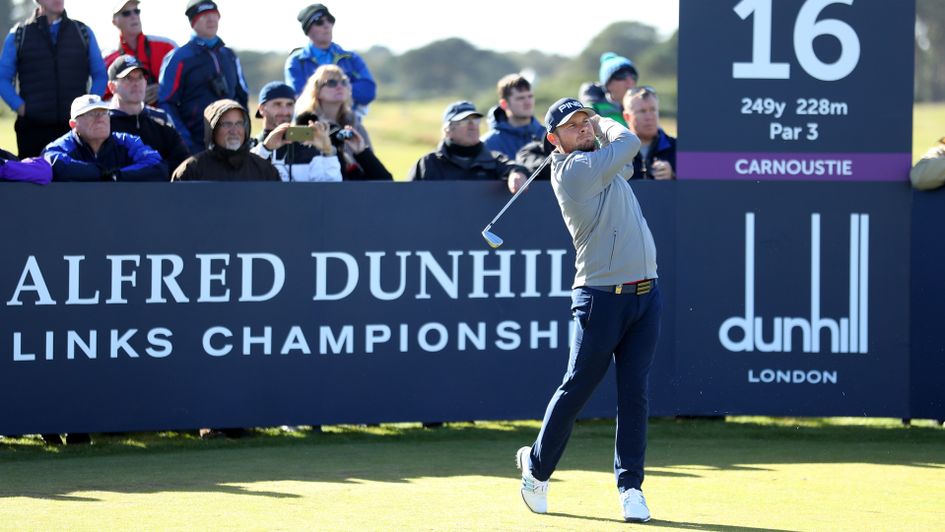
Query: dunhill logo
{"points": [[847, 335]]}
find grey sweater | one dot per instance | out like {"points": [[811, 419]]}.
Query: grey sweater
{"points": [[612, 241]]}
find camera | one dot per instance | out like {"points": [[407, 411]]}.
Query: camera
{"points": [[219, 86], [339, 136]]}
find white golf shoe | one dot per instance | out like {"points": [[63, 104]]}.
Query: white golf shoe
{"points": [[634, 506], [534, 491]]}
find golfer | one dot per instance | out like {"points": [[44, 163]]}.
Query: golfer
{"points": [[615, 300]]}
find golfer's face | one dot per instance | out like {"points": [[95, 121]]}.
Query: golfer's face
{"points": [[577, 134]]}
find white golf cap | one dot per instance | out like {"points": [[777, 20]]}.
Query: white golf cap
{"points": [[118, 6], [86, 103]]}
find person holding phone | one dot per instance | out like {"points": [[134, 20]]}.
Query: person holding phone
{"points": [[301, 152]]}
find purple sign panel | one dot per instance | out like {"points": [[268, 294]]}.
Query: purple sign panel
{"points": [[789, 90]]}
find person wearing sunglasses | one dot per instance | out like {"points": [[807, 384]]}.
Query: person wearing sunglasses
{"points": [[148, 49], [227, 156], [617, 76], [48, 60], [657, 157], [199, 73], [318, 25]]}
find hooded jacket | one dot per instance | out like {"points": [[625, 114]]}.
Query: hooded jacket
{"points": [[219, 163], [508, 139]]}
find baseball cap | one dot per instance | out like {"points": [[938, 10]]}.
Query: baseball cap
{"points": [[118, 6], [195, 8], [86, 103], [312, 14], [561, 111], [123, 66], [460, 110], [273, 90]]}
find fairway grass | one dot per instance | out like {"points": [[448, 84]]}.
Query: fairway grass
{"points": [[745, 474]]}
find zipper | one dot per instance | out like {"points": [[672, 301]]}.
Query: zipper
{"points": [[612, 250]]}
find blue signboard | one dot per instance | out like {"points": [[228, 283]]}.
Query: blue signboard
{"points": [[795, 89]]}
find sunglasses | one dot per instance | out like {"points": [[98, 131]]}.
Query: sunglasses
{"points": [[128, 12], [332, 83], [322, 20]]}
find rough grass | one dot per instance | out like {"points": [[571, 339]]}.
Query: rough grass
{"points": [[745, 474]]}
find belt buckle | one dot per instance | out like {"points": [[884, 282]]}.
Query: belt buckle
{"points": [[644, 287], [618, 289]]}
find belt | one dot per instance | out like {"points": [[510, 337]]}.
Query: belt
{"points": [[638, 288]]}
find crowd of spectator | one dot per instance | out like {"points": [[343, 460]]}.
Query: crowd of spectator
{"points": [[148, 110]]}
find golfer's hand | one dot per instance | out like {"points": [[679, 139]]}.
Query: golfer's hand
{"points": [[276, 138], [516, 181], [595, 122], [661, 169]]}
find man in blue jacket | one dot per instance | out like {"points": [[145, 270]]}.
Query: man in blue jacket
{"points": [[512, 122], [91, 152], [199, 73], [318, 24], [51, 58]]}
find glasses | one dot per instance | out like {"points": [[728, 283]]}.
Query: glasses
{"points": [[128, 12], [641, 89], [332, 83], [322, 20], [239, 124]]}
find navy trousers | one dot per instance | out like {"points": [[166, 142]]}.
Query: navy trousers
{"points": [[619, 327]]}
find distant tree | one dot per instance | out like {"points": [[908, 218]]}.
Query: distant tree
{"points": [[451, 66], [629, 39], [660, 60], [260, 68]]}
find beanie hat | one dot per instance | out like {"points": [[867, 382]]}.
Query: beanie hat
{"points": [[611, 63]]}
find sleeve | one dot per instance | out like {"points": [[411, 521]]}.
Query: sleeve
{"points": [[67, 168], [187, 171], [506, 165], [294, 76], [363, 87], [325, 165], [146, 165], [589, 173], [169, 94], [97, 69], [374, 169], [8, 72], [929, 172], [242, 89], [32, 170]]}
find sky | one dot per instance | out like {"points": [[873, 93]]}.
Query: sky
{"points": [[552, 26]]}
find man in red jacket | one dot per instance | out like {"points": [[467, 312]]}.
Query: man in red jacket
{"points": [[149, 49]]}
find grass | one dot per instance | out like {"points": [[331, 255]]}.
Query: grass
{"points": [[744, 474]]}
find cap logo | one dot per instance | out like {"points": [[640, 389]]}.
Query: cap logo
{"points": [[205, 7], [570, 105]]}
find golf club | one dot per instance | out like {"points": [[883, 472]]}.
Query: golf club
{"points": [[493, 239]]}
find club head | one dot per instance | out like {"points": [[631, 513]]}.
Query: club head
{"points": [[492, 239]]}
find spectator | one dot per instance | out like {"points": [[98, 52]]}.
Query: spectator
{"points": [[227, 156], [327, 95], [462, 156], [929, 172], [314, 160], [318, 24], [52, 58], [199, 73], [129, 114], [657, 157], [32, 170], [617, 76], [91, 152], [512, 122], [533, 154], [148, 49]]}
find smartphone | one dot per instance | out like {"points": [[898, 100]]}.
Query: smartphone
{"points": [[299, 134]]}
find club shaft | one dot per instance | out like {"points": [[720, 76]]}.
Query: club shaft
{"points": [[520, 190]]}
